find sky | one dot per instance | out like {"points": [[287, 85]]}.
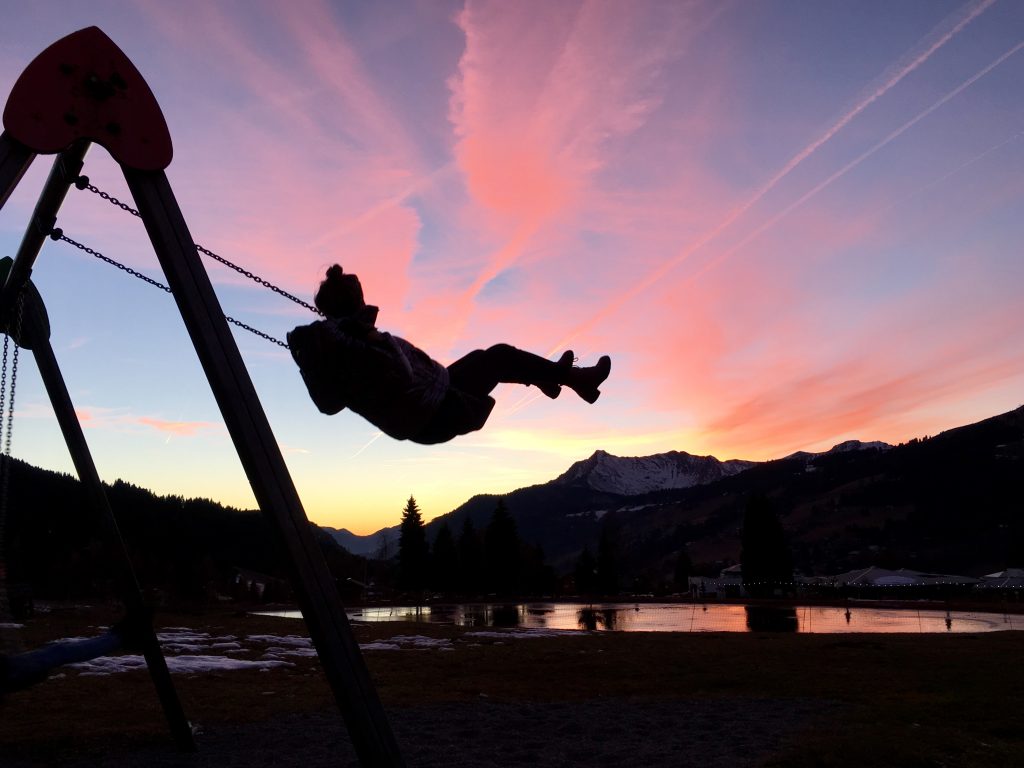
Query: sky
{"points": [[789, 224]]}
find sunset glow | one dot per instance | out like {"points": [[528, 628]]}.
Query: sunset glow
{"points": [[789, 224]]}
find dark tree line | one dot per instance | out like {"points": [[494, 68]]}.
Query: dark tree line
{"points": [[598, 575], [181, 549], [765, 555], [494, 561]]}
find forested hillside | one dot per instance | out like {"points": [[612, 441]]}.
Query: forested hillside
{"points": [[181, 548]]}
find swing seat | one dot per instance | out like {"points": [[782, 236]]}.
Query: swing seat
{"points": [[23, 670], [33, 327]]}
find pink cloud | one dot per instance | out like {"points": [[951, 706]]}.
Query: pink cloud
{"points": [[305, 163], [537, 101], [178, 428], [118, 420]]}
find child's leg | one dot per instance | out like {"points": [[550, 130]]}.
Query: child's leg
{"points": [[481, 371]]}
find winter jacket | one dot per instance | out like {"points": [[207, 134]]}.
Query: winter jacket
{"points": [[385, 379]]}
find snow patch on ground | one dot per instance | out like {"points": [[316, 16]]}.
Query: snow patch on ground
{"points": [[421, 641], [185, 665], [293, 640], [400, 642], [188, 652], [184, 641], [292, 651], [379, 646]]}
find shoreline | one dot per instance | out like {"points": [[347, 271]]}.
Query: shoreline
{"points": [[993, 606]]}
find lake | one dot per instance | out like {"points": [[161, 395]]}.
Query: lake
{"points": [[690, 617]]}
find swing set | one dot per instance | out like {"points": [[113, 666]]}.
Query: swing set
{"points": [[84, 90]]}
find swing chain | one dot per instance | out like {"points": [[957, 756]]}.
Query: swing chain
{"points": [[7, 415], [256, 331], [58, 234], [82, 182], [7, 409], [257, 279]]}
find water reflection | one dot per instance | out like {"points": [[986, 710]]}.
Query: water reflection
{"points": [[769, 619], [505, 616], [593, 619], [691, 617], [484, 615]]}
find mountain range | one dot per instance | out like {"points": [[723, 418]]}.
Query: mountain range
{"points": [[615, 476], [949, 503]]}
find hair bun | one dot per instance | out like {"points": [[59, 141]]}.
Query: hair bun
{"points": [[335, 271]]}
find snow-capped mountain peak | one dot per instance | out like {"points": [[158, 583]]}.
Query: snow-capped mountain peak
{"points": [[847, 446], [634, 475], [857, 445]]}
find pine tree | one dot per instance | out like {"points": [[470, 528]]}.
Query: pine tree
{"points": [[585, 573], [765, 556], [538, 578], [681, 574], [470, 559], [445, 560], [412, 548], [607, 565], [502, 556]]}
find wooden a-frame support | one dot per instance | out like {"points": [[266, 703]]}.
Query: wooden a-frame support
{"points": [[83, 89]]}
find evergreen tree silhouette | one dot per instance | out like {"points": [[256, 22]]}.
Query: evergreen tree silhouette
{"points": [[585, 573], [765, 556], [681, 574], [607, 564], [412, 548], [538, 578], [445, 560], [470, 559], [503, 559]]}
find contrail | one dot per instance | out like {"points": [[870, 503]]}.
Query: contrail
{"points": [[949, 174], [414, 188], [901, 72], [853, 164], [370, 442], [871, 98]]}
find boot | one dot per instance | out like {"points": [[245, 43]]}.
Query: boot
{"points": [[553, 389], [585, 381]]}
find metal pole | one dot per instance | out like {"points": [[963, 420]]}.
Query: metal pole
{"points": [[66, 168], [265, 467]]}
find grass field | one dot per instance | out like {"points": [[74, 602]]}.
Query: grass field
{"points": [[866, 700]]}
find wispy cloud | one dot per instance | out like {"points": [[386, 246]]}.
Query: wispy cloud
{"points": [[177, 428], [537, 104], [122, 420], [912, 61], [831, 179]]}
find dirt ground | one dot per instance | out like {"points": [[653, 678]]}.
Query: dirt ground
{"points": [[458, 698]]}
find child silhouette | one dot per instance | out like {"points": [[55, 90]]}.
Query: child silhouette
{"points": [[347, 363]]}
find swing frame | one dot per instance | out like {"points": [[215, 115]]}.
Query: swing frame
{"points": [[83, 90]]}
